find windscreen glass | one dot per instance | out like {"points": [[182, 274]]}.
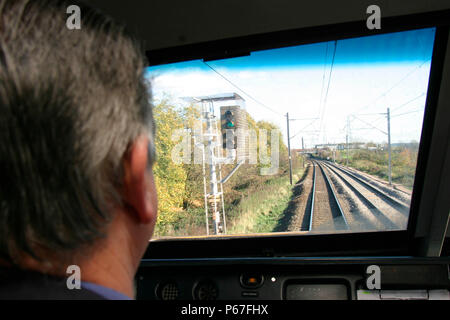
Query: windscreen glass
{"points": [[318, 138]]}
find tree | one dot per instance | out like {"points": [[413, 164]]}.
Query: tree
{"points": [[170, 177]]}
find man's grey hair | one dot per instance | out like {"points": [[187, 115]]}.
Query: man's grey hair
{"points": [[71, 104]]}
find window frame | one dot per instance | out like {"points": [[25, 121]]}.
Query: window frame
{"points": [[410, 242]]}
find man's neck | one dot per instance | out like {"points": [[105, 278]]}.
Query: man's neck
{"points": [[119, 278], [109, 266]]}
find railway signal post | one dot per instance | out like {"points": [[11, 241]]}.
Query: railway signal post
{"points": [[209, 140]]}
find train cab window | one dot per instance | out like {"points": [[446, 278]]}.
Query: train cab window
{"points": [[353, 110], [296, 159]]}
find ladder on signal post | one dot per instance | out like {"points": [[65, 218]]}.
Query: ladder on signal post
{"points": [[212, 155], [210, 143]]}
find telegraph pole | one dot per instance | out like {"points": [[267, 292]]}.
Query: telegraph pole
{"points": [[389, 144], [303, 156], [289, 149], [346, 141], [346, 138]]}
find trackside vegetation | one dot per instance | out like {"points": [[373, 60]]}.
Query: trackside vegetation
{"points": [[374, 160], [253, 202]]}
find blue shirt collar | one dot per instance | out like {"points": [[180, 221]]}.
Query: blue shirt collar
{"points": [[105, 292]]}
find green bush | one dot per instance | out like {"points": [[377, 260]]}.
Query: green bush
{"points": [[375, 162]]}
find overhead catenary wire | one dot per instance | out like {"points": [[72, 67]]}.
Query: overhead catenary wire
{"points": [[392, 110], [323, 81], [301, 130], [244, 92], [408, 102], [370, 125], [395, 85], [401, 114], [322, 115], [323, 78]]}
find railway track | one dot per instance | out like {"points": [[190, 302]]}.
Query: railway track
{"points": [[394, 190], [383, 214], [340, 200], [325, 211], [403, 207]]}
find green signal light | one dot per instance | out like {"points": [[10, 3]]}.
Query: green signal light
{"points": [[230, 124]]}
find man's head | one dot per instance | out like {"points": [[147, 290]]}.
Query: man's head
{"points": [[76, 137]]}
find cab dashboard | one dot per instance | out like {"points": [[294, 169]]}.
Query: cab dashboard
{"points": [[250, 279]]}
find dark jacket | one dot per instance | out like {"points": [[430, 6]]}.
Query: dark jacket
{"points": [[26, 285]]}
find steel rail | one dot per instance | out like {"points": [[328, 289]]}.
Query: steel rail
{"points": [[328, 182], [312, 198], [383, 195], [378, 213]]}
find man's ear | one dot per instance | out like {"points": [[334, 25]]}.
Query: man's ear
{"points": [[139, 190]]}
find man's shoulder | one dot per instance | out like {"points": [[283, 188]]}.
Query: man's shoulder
{"points": [[27, 285]]}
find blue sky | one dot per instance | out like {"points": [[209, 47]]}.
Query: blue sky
{"points": [[366, 76]]}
